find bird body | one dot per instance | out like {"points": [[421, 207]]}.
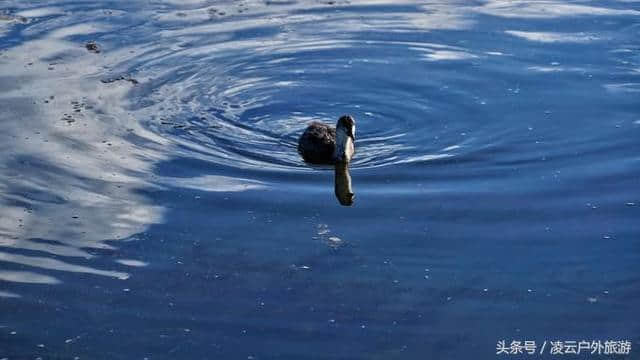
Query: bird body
{"points": [[323, 144]]}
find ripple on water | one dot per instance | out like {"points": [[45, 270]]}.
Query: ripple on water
{"points": [[236, 84], [244, 101]]}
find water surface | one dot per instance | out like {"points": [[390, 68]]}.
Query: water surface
{"points": [[154, 205]]}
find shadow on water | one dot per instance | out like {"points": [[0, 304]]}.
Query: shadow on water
{"points": [[153, 204]]}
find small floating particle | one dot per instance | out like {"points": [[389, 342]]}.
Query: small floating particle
{"points": [[631, 204], [92, 46], [126, 289], [592, 299], [323, 229], [485, 289], [368, 113], [606, 291], [607, 237], [304, 267], [68, 341], [40, 345], [13, 333], [529, 290], [334, 240], [121, 77]]}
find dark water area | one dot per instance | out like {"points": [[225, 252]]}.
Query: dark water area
{"points": [[153, 204]]}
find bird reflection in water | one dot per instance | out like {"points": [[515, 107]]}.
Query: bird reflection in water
{"points": [[343, 188]]}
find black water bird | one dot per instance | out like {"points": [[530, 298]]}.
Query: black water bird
{"points": [[322, 144]]}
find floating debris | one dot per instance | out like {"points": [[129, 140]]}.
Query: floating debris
{"points": [[215, 12], [92, 46], [13, 18], [68, 118], [120, 78], [323, 229], [334, 241]]}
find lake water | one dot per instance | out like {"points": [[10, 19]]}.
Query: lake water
{"points": [[153, 204]]}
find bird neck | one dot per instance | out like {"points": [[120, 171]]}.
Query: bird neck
{"points": [[344, 146]]}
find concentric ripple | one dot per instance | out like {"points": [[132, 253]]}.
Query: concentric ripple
{"points": [[244, 101]]}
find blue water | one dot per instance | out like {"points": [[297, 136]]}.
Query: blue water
{"points": [[153, 204]]}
